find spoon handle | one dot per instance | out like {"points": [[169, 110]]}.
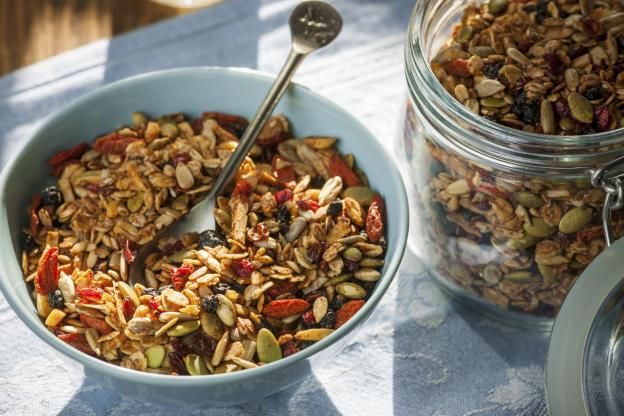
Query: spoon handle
{"points": [[262, 115]]}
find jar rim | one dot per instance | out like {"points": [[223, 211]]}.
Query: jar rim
{"points": [[494, 142]]}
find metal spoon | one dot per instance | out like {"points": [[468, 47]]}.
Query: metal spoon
{"points": [[313, 25]]}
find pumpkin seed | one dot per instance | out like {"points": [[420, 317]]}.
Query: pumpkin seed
{"points": [[529, 199], [362, 194], [195, 365], [472, 105], [547, 272], [267, 346], [580, 107], [492, 102], [313, 334], [155, 356], [211, 325], [319, 308], [352, 254], [320, 143], [169, 130], [519, 277], [351, 290], [522, 242], [482, 51], [179, 256], [538, 228], [226, 311], [368, 275], [488, 87], [465, 33], [338, 279], [547, 117], [139, 119], [183, 328], [370, 262], [497, 6], [566, 124], [180, 203], [459, 187], [575, 219]]}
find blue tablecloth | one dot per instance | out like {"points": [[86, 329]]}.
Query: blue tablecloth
{"points": [[420, 354]]}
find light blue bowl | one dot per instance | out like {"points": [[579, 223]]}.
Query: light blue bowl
{"points": [[193, 90]]}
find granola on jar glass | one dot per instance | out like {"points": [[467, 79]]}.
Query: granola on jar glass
{"points": [[298, 249], [512, 103]]}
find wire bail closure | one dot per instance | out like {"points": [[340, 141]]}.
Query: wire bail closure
{"points": [[613, 185]]}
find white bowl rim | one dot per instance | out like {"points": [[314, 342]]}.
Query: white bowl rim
{"points": [[393, 260]]}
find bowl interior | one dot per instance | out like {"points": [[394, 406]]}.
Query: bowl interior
{"points": [[191, 91]]}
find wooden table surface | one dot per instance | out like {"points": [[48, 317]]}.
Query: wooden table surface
{"points": [[32, 30]]}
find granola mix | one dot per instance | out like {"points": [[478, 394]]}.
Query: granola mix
{"points": [[554, 67], [297, 253]]}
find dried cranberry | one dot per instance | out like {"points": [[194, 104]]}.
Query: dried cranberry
{"points": [[176, 363], [554, 63], [308, 318], [130, 252], [243, 188], [491, 70], [289, 348], [283, 195], [242, 267], [602, 118], [181, 158], [562, 109], [307, 205], [179, 276], [127, 308]]}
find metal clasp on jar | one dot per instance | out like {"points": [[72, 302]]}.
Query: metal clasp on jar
{"points": [[613, 185]]}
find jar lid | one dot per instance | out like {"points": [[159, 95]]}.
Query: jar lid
{"points": [[585, 367]]}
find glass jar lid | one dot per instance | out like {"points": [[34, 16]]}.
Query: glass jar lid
{"points": [[585, 368]]}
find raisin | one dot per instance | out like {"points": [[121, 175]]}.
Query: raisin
{"points": [[27, 242], [209, 303], [491, 70], [351, 266], [283, 215], [329, 319], [211, 238], [177, 364], [220, 288], [289, 348], [576, 51], [317, 182], [237, 287], [528, 111], [541, 11], [51, 196], [335, 208], [55, 299], [180, 347], [554, 63], [315, 252], [202, 344], [594, 93], [336, 303]]}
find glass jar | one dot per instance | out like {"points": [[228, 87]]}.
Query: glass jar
{"points": [[504, 218]]}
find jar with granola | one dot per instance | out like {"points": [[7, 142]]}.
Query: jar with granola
{"points": [[512, 104]]}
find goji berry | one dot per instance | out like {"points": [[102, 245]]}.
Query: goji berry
{"points": [[127, 308], [347, 310], [73, 153], [457, 66], [34, 218], [289, 348], [374, 222], [282, 308], [242, 267], [242, 188], [99, 325], [130, 252], [113, 143], [154, 305], [47, 277], [283, 195], [179, 276], [281, 287], [308, 205], [78, 341], [338, 167], [91, 293]]}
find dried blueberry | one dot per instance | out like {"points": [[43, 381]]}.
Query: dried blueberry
{"points": [[317, 182], [594, 93], [264, 323], [329, 320], [237, 287], [526, 110], [55, 299], [302, 345], [283, 215], [334, 208], [351, 266], [220, 288], [491, 70], [542, 11], [211, 238], [27, 242], [209, 303], [51, 196], [150, 291]]}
